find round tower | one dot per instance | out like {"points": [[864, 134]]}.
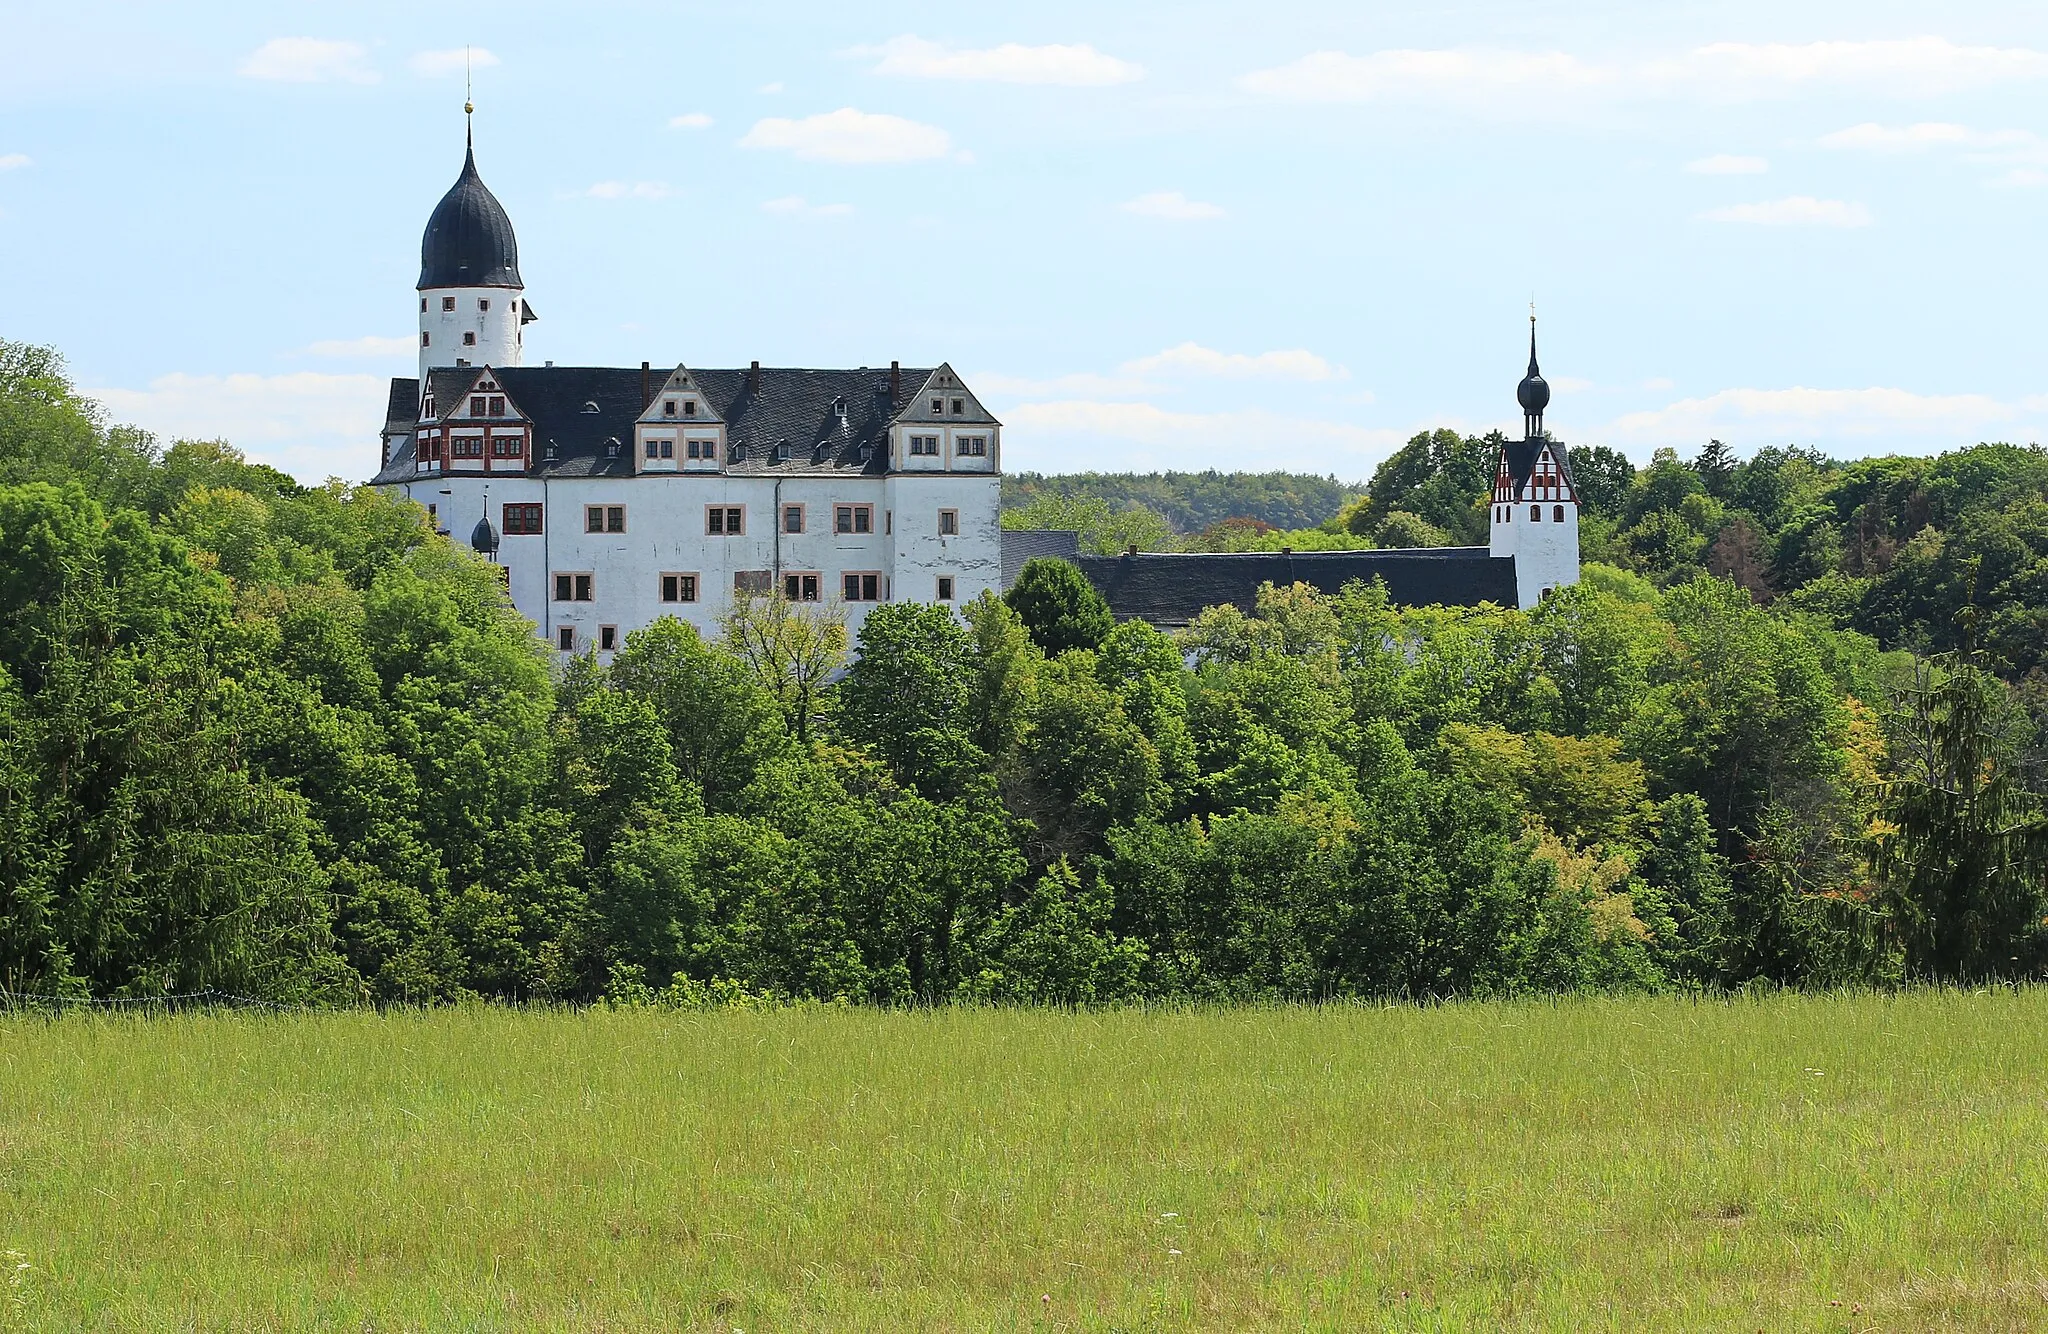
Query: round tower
{"points": [[473, 307], [1535, 503]]}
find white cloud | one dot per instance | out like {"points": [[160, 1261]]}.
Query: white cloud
{"points": [[440, 64], [1794, 211], [629, 190], [1194, 359], [1073, 434], [1333, 76], [851, 136], [798, 206], [1079, 66], [308, 60], [311, 425], [695, 120], [1728, 164], [1816, 415], [1871, 137], [9, 161], [1170, 204], [1913, 65], [369, 345], [1506, 81]]}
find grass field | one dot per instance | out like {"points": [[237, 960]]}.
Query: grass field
{"points": [[1834, 1163]]}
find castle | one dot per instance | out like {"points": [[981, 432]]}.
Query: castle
{"points": [[612, 496]]}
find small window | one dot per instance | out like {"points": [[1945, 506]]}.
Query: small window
{"points": [[476, 405], [704, 449], [690, 407], [800, 587], [853, 518], [924, 444], [604, 518], [725, 520], [483, 303], [426, 341], [447, 303], [565, 638], [497, 405], [792, 518], [668, 407], [668, 449], [1535, 514], [573, 588], [423, 305], [469, 338], [607, 638], [949, 523], [679, 588], [653, 449], [861, 587], [938, 407], [522, 521], [972, 446], [959, 408], [945, 588], [1557, 513]]}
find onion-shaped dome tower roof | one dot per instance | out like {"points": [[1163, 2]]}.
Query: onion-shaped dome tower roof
{"points": [[1533, 393], [469, 241], [483, 538]]}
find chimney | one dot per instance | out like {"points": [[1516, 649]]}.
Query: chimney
{"points": [[754, 378], [646, 392], [1131, 550], [895, 381]]}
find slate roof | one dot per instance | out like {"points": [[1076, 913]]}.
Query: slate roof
{"points": [[1023, 544], [1171, 589], [469, 241], [1521, 457], [760, 412], [402, 411]]}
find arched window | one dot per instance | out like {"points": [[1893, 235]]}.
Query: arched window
{"points": [[1558, 514], [1535, 514]]}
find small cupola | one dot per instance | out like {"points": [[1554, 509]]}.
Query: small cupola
{"points": [[1532, 393], [483, 538]]}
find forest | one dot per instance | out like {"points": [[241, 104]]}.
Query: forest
{"points": [[281, 741]]}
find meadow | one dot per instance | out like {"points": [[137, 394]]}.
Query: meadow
{"points": [[1851, 1162]]}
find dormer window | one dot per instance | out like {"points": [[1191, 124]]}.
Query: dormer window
{"points": [[427, 408], [668, 407], [959, 407], [782, 451], [497, 405], [690, 407], [590, 405], [938, 407], [476, 405]]}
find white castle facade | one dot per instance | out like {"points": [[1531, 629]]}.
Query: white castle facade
{"points": [[613, 496]]}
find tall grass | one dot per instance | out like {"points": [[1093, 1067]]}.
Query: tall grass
{"points": [[1830, 1163]]}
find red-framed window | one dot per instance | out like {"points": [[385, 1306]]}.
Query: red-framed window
{"points": [[522, 519]]}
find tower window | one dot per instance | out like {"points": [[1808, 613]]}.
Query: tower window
{"points": [[469, 338], [483, 303], [1557, 515], [423, 305], [447, 303], [945, 588], [424, 340], [1535, 514]]}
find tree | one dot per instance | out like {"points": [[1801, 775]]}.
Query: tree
{"points": [[1715, 465], [1602, 476], [1962, 846], [1059, 606], [906, 696], [792, 650]]}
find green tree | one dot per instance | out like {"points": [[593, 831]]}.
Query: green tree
{"points": [[1059, 606]]}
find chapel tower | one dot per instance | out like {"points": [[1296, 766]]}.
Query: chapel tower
{"points": [[1535, 503], [473, 309]]}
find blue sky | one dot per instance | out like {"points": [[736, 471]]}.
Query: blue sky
{"points": [[1283, 235]]}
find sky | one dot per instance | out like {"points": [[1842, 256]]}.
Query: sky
{"points": [[1150, 235]]}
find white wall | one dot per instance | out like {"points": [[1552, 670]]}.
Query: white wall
{"points": [[665, 522], [497, 330]]}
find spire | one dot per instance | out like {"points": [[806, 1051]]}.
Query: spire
{"points": [[1532, 393], [469, 114]]}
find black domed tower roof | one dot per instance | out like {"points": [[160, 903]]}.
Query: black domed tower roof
{"points": [[469, 241]]}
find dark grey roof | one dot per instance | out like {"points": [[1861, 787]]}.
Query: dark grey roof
{"points": [[1172, 589], [1521, 457], [402, 409], [1023, 544], [469, 241], [759, 412]]}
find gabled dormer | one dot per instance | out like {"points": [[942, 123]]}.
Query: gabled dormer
{"points": [[943, 427], [680, 430], [469, 422]]}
